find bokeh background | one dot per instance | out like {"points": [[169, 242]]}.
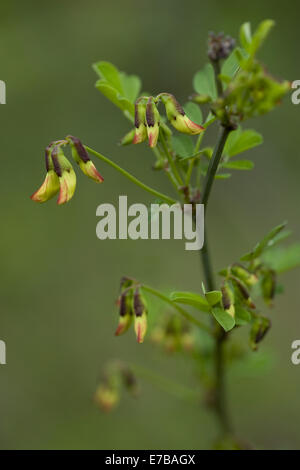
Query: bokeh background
{"points": [[59, 282]]}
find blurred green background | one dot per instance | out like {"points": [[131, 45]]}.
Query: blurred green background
{"points": [[59, 282]]}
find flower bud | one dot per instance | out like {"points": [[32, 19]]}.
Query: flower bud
{"points": [[260, 327], [66, 175], [140, 123], [177, 116], [243, 292], [140, 312], [228, 299], [243, 274], [125, 313], [201, 99], [81, 157], [268, 286], [130, 381], [219, 46], [50, 186], [153, 122], [128, 138], [107, 397]]}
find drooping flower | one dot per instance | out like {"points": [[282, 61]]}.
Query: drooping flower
{"points": [[81, 157], [125, 313], [178, 117], [152, 121], [107, 397], [228, 299], [140, 122], [140, 312], [259, 329], [66, 175], [50, 186]]}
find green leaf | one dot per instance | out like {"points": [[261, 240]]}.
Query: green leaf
{"points": [[189, 298], [194, 112], [283, 259], [232, 64], [183, 145], [239, 165], [110, 74], [113, 95], [223, 318], [245, 35], [210, 119], [283, 235], [213, 297], [131, 85], [265, 243], [118, 87], [204, 82], [239, 141], [260, 35], [242, 316]]}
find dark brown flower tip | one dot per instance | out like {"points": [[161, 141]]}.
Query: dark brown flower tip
{"points": [[138, 305], [219, 46], [80, 148]]}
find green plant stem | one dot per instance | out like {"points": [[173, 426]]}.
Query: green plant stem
{"points": [[189, 172], [171, 162], [217, 70], [168, 385], [220, 389], [198, 142], [179, 309], [132, 178], [213, 164], [157, 152], [220, 403], [207, 268], [192, 161]]}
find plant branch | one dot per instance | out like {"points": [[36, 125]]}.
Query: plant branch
{"points": [[220, 404], [214, 163], [217, 70], [179, 309], [132, 178]]}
